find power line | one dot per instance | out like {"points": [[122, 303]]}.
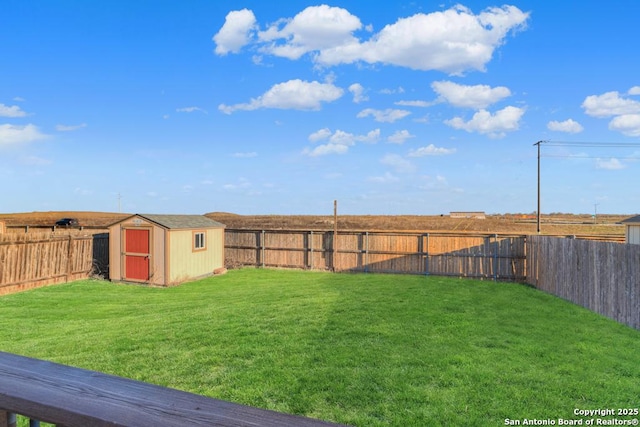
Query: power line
{"points": [[589, 144], [577, 157]]}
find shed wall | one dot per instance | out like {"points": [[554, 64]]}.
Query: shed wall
{"points": [[186, 263], [633, 234]]}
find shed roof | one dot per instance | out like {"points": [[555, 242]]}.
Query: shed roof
{"points": [[633, 219], [181, 221]]}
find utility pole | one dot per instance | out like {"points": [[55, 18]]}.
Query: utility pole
{"points": [[595, 213], [538, 210], [119, 197]]}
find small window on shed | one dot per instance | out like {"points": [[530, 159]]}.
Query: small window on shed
{"points": [[199, 242]]}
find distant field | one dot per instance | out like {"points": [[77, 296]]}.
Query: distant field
{"points": [[560, 224], [363, 350], [517, 224], [87, 219]]}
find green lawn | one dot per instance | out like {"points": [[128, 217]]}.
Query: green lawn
{"points": [[363, 350]]}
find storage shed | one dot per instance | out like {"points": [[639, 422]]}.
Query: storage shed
{"points": [[632, 230], [165, 250]]}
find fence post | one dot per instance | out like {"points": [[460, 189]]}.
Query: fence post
{"points": [[262, 250], [70, 258], [495, 258], [486, 258], [424, 251], [366, 252], [334, 243], [311, 250]]}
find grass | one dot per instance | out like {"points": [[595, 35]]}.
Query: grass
{"points": [[363, 350]]}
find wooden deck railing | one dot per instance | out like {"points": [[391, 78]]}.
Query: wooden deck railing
{"points": [[67, 396]]}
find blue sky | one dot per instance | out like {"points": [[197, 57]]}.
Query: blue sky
{"points": [[404, 107]]}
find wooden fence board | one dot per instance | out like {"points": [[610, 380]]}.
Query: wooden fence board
{"points": [[601, 276], [36, 259], [478, 256]]}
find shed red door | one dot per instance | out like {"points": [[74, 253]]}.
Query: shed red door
{"points": [[136, 254]]}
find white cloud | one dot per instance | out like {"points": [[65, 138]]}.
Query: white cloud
{"points": [[610, 104], [338, 141], [358, 93], [634, 90], [371, 137], [13, 111], [568, 126], [494, 125], [191, 110], [424, 119], [453, 41], [399, 137], [476, 97], [236, 32], [242, 183], [431, 150], [245, 155], [291, 95], [385, 116], [414, 103], [627, 124], [384, 179], [625, 111], [14, 134], [342, 137], [320, 135], [610, 164], [65, 128], [323, 150], [399, 163], [392, 91], [314, 29]]}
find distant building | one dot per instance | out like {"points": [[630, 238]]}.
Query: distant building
{"points": [[471, 215], [165, 250], [632, 232]]}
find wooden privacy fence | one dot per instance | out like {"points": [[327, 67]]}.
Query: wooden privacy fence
{"points": [[33, 260], [486, 256], [601, 276]]}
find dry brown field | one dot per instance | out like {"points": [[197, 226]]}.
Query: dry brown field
{"points": [[583, 225], [48, 218], [556, 224]]}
